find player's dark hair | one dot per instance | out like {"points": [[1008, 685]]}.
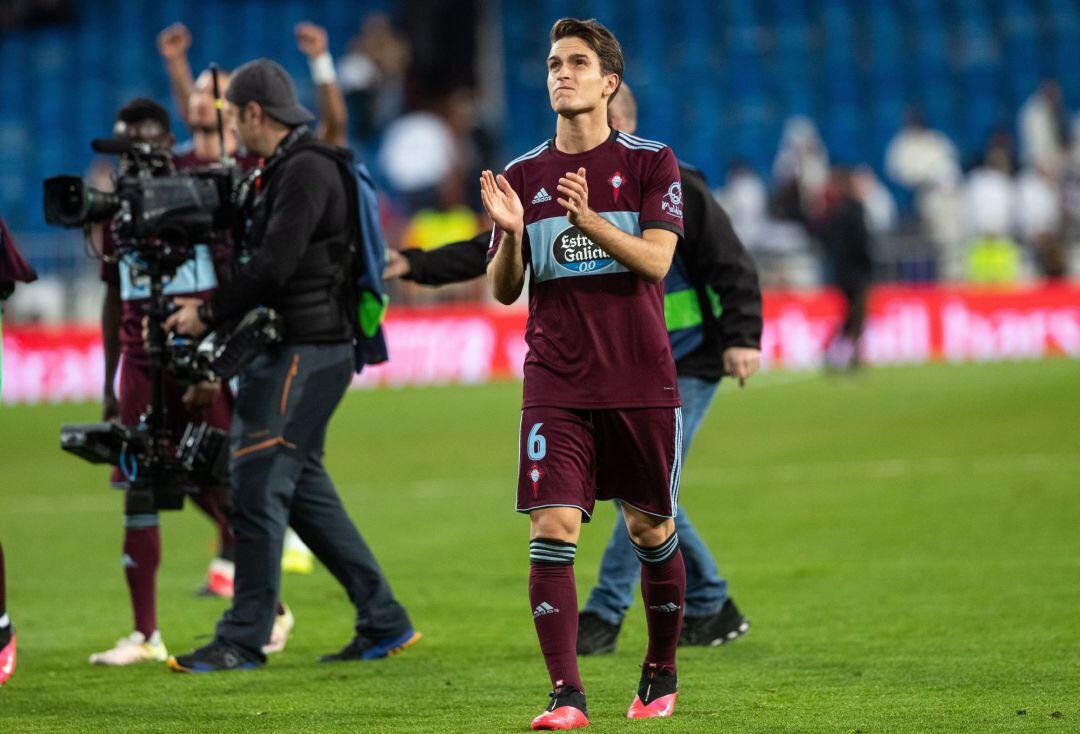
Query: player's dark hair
{"points": [[596, 37], [141, 109]]}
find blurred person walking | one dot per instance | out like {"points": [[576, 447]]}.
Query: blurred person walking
{"points": [[846, 237], [990, 209]]}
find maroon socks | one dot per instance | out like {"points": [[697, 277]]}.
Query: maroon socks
{"points": [[142, 554], [553, 596], [663, 588]]}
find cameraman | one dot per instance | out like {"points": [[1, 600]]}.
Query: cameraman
{"points": [[125, 305], [294, 257]]}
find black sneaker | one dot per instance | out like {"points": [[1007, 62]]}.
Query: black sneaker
{"points": [[567, 710], [657, 691], [715, 629], [594, 635], [212, 658], [365, 648]]}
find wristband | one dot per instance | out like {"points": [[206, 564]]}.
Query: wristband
{"points": [[322, 69]]}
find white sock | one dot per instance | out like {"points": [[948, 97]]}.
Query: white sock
{"points": [[5, 621]]}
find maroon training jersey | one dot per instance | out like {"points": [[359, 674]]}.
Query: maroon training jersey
{"points": [[596, 331], [197, 277]]}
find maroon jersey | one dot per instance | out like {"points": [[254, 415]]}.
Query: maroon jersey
{"points": [[197, 277], [596, 331]]}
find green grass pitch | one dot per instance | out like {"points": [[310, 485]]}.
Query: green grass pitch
{"points": [[905, 543]]}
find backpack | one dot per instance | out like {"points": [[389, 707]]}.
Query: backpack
{"points": [[368, 250]]}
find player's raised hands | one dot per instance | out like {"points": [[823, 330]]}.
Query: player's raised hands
{"points": [[311, 39], [174, 41], [502, 203], [575, 196]]}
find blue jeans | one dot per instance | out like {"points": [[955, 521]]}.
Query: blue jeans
{"points": [[620, 569]]}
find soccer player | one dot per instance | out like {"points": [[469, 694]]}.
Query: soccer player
{"points": [[204, 149], [123, 309], [601, 413], [710, 265]]}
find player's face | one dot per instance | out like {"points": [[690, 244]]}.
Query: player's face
{"points": [[575, 81]]}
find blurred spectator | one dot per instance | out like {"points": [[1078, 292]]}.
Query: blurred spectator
{"points": [[475, 146], [746, 201], [918, 157], [450, 220], [989, 207], [1044, 129], [194, 97], [926, 163], [418, 151], [373, 76], [314, 43], [800, 171], [1039, 219], [878, 203], [846, 237]]}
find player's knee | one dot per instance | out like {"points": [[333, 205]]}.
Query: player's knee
{"points": [[558, 523], [647, 532]]}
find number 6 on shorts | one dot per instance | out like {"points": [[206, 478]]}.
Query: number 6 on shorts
{"points": [[537, 443]]}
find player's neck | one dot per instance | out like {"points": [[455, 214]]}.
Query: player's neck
{"points": [[583, 132]]}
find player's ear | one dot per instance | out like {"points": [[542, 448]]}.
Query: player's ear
{"points": [[613, 82]]}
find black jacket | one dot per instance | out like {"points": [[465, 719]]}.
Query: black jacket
{"points": [[716, 259], [714, 255], [294, 253]]}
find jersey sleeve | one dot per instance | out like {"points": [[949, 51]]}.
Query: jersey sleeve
{"points": [[662, 199]]}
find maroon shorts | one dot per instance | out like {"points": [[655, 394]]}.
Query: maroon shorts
{"points": [[571, 458], [135, 399]]}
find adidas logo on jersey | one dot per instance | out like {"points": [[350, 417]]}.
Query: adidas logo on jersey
{"points": [[541, 196], [669, 607], [544, 608]]}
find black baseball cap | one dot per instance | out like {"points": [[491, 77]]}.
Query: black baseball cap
{"points": [[266, 82]]}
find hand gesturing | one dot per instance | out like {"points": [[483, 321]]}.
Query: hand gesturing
{"points": [[502, 203], [311, 39], [575, 195], [174, 41]]}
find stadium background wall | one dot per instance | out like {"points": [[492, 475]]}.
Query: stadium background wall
{"points": [[476, 344]]}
